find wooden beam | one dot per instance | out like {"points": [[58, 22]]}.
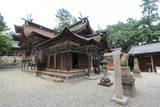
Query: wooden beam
{"points": [[88, 62]]}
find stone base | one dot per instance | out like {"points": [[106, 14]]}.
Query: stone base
{"points": [[137, 74], [129, 89], [128, 81], [122, 101], [36, 73], [105, 82]]}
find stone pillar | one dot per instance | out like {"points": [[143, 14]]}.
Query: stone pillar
{"points": [[104, 67], [118, 97], [92, 63]]}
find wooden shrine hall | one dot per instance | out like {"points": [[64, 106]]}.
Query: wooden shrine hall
{"points": [[75, 49], [148, 56]]}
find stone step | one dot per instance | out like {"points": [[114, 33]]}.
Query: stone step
{"points": [[9, 66], [52, 78], [67, 77]]}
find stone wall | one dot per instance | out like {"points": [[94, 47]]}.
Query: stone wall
{"points": [[10, 61]]}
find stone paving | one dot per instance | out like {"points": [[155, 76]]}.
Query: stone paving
{"points": [[22, 89]]}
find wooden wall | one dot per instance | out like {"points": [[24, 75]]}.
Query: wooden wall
{"points": [[145, 61]]}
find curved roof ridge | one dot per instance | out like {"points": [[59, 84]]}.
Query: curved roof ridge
{"points": [[40, 26], [80, 26], [77, 23]]}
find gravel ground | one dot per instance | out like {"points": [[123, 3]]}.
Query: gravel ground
{"points": [[22, 89]]}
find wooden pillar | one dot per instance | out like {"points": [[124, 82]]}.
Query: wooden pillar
{"points": [[48, 61], [69, 58], [62, 61], [68, 61], [27, 66], [55, 60], [89, 65], [22, 65], [152, 63]]}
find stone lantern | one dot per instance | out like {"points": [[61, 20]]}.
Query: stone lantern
{"points": [[105, 81], [104, 67]]}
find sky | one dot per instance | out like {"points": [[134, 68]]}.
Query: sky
{"points": [[100, 12]]}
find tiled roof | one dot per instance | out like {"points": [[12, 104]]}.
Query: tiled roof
{"points": [[149, 48]]}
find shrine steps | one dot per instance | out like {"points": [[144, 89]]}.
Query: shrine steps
{"points": [[61, 77]]}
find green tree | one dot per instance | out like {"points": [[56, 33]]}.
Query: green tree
{"points": [[64, 19], [136, 32], [121, 34], [4, 39], [149, 21], [150, 10]]}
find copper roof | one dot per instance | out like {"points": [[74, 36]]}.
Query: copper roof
{"points": [[149, 48]]}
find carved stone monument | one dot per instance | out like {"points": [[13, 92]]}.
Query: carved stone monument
{"points": [[124, 60], [128, 79], [136, 69], [118, 97], [136, 66]]}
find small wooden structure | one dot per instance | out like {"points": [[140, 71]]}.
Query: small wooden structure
{"points": [[148, 56], [75, 49], [109, 57]]}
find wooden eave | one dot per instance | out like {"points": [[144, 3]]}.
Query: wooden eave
{"points": [[36, 38], [38, 35], [18, 29], [29, 23], [66, 35]]}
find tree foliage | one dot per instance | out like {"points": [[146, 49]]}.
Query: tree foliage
{"points": [[4, 39], [136, 32], [64, 19]]}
